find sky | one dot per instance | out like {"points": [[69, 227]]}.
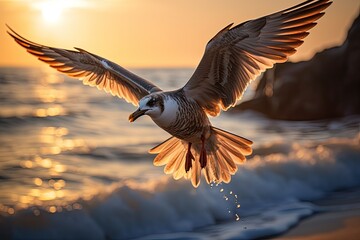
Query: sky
{"points": [[150, 33]]}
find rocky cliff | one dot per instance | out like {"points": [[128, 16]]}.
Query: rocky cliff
{"points": [[326, 86]]}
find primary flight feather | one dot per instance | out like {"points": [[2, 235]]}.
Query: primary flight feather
{"points": [[233, 57]]}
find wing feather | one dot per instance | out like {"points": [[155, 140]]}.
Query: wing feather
{"points": [[93, 70], [237, 55]]}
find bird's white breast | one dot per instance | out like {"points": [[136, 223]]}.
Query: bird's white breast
{"points": [[169, 114]]}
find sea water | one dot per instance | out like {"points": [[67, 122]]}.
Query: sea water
{"points": [[72, 166]]}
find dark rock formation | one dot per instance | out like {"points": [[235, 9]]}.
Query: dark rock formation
{"points": [[326, 86]]}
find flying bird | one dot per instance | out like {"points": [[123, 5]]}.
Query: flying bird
{"points": [[233, 57]]}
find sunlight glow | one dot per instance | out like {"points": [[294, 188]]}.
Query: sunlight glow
{"points": [[51, 11]]}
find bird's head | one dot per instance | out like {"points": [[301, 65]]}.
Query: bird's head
{"points": [[152, 105]]}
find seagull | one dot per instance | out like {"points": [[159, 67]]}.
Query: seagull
{"points": [[232, 59]]}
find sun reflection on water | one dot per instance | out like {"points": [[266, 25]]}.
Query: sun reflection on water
{"points": [[49, 95], [53, 111], [48, 188]]}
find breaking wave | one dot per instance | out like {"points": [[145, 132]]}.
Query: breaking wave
{"points": [[268, 195]]}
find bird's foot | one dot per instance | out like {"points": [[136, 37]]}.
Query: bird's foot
{"points": [[189, 158], [203, 157]]}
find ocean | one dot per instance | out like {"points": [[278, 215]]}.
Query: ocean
{"points": [[73, 167]]}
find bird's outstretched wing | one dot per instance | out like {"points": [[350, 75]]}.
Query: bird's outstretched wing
{"points": [[91, 69], [237, 55]]}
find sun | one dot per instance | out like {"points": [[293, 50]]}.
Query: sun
{"points": [[51, 11]]}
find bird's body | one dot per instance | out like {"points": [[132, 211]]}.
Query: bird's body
{"points": [[182, 117], [232, 58]]}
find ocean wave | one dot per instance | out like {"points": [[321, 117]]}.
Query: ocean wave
{"points": [[271, 189]]}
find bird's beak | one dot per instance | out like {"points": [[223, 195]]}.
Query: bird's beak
{"points": [[135, 115]]}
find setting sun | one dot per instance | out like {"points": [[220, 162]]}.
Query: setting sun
{"points": [[51, 10]]}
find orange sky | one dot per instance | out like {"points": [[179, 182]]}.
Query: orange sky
{"points": [[149, 33]]}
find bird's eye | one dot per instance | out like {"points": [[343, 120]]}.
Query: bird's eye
{"points": [[151, 102]]}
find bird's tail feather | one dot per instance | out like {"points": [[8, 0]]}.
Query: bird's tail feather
{"points": [[224, 151]]}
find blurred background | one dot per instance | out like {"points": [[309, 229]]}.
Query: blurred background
{"points": [[72, 166]]}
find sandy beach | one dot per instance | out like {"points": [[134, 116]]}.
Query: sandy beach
{"points": [[328, 226], [341, 222]]}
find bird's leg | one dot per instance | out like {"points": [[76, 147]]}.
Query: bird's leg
{"points": [[189, 158], [203, 157]]}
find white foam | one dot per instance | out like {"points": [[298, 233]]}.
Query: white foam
{"points": [[270, 188]]}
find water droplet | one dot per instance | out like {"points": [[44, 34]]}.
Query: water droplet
{"points": [[36, 212], [238, 206], [221, 190], [237, 217], [235, 195], [10, 211], [77, 206], [59, 209], [231, 192], [52, 209]]}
